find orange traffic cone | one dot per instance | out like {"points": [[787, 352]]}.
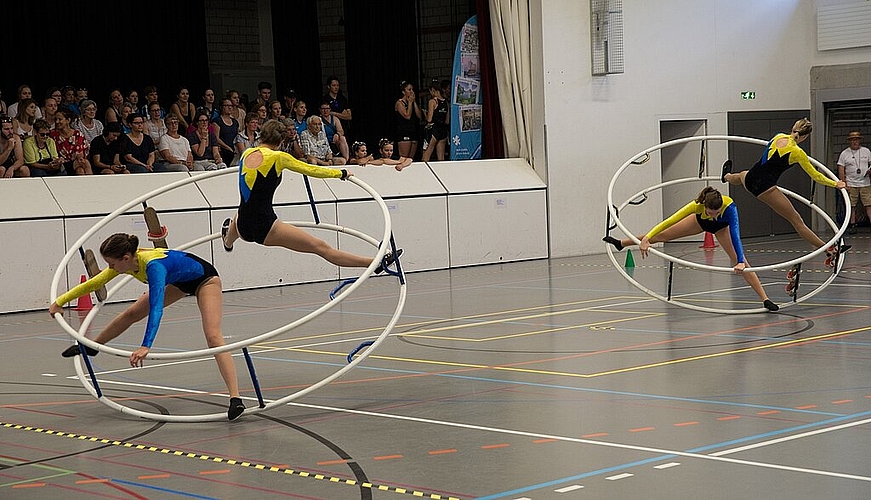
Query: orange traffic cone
{"points": [[84, 303], [709, 242]]}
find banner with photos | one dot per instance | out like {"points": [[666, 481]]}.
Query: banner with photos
{"points": [[465, 139]]}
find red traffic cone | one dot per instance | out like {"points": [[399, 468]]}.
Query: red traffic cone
{"points": [[709, 242], [84, 303]]}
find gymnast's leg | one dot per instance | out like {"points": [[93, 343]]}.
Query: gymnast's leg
{"points": [[725, 239]]}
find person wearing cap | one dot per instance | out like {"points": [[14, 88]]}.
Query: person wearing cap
{"points": [[853, 169], [289, 98]]}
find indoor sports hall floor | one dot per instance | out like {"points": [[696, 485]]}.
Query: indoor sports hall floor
{"points": [[546, 379]]}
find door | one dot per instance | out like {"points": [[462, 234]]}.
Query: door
{"points": [[757, 218], [680, 162]]}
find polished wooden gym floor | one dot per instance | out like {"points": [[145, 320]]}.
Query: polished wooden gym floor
{"points": [[546, 379]]}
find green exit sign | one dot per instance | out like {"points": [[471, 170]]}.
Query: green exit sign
{"points": [[748, 94]]}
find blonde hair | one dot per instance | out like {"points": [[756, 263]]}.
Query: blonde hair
{"points": [[803, 127]]}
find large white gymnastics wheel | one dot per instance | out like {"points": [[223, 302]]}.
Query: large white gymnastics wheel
{"points": [[383, 246], [614, 210]]}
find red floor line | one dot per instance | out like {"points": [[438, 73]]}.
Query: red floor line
{"points": [[210, 472], [805, 407], [684, 424], [842, 401], [442, 452], [594, 435], [331, 462], [28, 485], [387, 457], [156, 476], [494, 446], [549, 440], [642, 429]]}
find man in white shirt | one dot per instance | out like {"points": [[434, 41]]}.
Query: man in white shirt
{"points": [[853, 168]]}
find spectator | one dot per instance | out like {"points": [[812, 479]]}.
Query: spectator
{"points": [[264, 93], [11, 151], [88, 124], [208, 107], [361, 155], [314, 144], [40, 152], [299, 116], [335, 133], [339, 105], [290, 143], [435, 135], [385, 151], [175, 149], [106, 153], [183, 108], [408, 117], [137, 148], [24, 92], [26, 117], [228, 129], [204, 144], [127, 109], [113, 112], [261, 110], [275, 112], [55, 93], [239, 111], [289, 98], [3, 109], [81, 95], [154, 125], [71, 144], [249, 137], [69, 100], [151, 96], [132, 98], [853, 168], [49, 111]]}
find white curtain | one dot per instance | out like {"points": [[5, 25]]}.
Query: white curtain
{"points": [[509, 20]]}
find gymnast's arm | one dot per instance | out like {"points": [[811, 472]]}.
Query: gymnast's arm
{"points": [[800, 157], [731, 216], [688, 209], [287, 161], [92, 285]]}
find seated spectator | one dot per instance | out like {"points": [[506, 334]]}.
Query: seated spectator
{"points": [[49, 111], [208, 107], [69, 100], [23, 122], [40, 152], [261, 110], [275, 111], [290, 142], [228, 129], [385, 150], [113, 112], [335, 132], [204, 144], [299, 115], [88, 124], [183, 108], [11, 151], [247, 137], [56, 94], [315, 146], [4, 110], [289, 98], [151, 96], [339, 105], [133, 98], [361, 155], [154, 124], [71, 144], [24, 92], [127, 109], [175, 148], [81, 95], [137, 148], [106, 151], [239, 111]]}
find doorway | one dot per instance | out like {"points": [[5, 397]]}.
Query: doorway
{"points": [[680, 162]]}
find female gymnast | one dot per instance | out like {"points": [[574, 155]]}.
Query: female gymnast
{"points": [[714, 213], [780, 155], [260, 170], [170, 275]]}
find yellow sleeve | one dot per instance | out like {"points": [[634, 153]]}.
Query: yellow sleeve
{"points": [[688, 209], [800, 157], [287, 161], [92, 285]]}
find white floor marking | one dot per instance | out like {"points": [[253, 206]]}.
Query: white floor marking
{"points": [[667, 466], [619, 476], [569, 488]]}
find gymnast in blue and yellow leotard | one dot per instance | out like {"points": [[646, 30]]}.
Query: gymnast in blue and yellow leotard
{"points": [[260, 173], [710, 212], [170, 275], [781, 154]]}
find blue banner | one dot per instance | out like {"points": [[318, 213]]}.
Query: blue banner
{"points": [[466, 115]]}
